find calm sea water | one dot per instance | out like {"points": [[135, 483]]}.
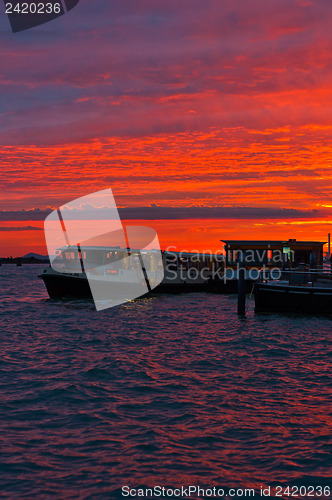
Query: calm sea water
{"points": [[170, 391]]}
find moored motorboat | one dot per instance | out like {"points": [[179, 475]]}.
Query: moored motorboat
{"points": [[308, 292], [75, 273]]}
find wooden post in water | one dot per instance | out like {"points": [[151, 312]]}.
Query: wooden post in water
{"points": [[241, 290]]}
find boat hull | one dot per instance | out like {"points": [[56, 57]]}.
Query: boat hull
{"points": [[63, 286], [295, 299], [59, 287]]}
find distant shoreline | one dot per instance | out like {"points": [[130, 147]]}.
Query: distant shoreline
{"points": [[24, 260]]}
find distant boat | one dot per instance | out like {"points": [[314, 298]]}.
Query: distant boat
{"points": [[18, 264]]}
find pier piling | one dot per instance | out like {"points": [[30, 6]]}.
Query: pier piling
{"points": [[241, 291]]}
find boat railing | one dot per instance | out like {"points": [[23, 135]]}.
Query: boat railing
{"points": [[304, 277]]}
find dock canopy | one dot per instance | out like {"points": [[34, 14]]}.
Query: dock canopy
{"points": [[273, 253]]}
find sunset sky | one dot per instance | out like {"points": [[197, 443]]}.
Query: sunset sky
{"points": [[208, 119]]}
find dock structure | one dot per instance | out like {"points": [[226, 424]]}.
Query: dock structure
{"points": [[248, 262], [271, 253], [258, 255]]}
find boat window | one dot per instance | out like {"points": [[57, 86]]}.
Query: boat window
{"points": [[172, 267], [69, 255], [95, 257]]}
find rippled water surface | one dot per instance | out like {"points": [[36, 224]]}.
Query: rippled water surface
{"points": [[170, 390]]}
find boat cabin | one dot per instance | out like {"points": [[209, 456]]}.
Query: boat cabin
{"points": [[176, 266]]}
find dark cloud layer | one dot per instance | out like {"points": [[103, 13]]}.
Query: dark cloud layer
{"points": [[176, 213], [20, 228], [24, 215], [173, 213]]}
